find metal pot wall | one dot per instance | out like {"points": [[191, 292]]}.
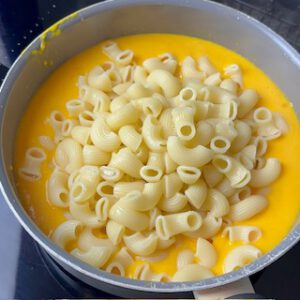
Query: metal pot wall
{"points": [[115, 18]]}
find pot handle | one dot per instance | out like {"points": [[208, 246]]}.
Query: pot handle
{"points": [[241, 289]]}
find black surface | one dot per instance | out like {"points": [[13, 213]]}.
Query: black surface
{"points": [[23, 271]]}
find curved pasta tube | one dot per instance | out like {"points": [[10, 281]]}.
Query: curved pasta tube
{"points": [[206, 65], [173, 204], [123, 188], [166, 123], [57, 189], [169, 84], [227, 110], [117, 103], [126, 115], [94, 156], [163, 62], [121, 89], [75, 107], [151, 132], [203, 136], [235, 73], [243, 137], [171, 184], [153, 214], [197, 156], [247, 101], [67, 127], [209, 228], [140, 244], [165, 244], [130, 137], [33, 159], [81, 134], [237, 174], [103, 137], [267, 174], [239, 257], [120, 262], [149, 105], [145, 200], [246, 234], [192, 272], [183, 118], [98, 78], [137, 91], [115, 232], [151, 173], [170, 225], [247, 208], [206, 253], [225, 187], [220, 144], [110, 173], [185, 257], [143, 272], [196, 193], [211, 175], [131, 219], [126, 74], [189, 69], [56, 120], [66, 232], [87, 239], [229, 85], [68, 155], [127, 162], [170, 165], [188, 174], [156, 160], [213, 79], [142, 153], [216, 203], [95, 256], [105, 189], [102, 208], [122, 57], [240, 195]]}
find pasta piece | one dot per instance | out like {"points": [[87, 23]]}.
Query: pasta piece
{"points": [[126, 73], [156, 160], [68, 155], [206, 253], [189, 69], [206, 65], [125, 115], [103, 137], [192, 272], [150, 106], [185, 257], [110, 173], [170, 165], [105, 189], [115, 232], [31, 170], [154, 169], [216, 203], [224, 186], [121, 88], [246, 234], [57, 189], [173, 204], [120, 262], [75, 107], [123, 188], [163, 62], [86, 118], [142, 153], [171, 185], [66, 232], [240, 256], [131, 219], [81, 134], [220, 144], [247, 101], [197, 156], [229, 85], [166, 123], [183, 118], [151, 132], [153, 214], [209, 228], [196, 193], [143, 201], [127, 162], [165, 244], [137, 91], [87, 240], [211, 175], [188, 174], [247, 208], [243, 136], [213, 79], [99, 79], [170, 225], [227, 110], [139, 244], [169, 84], [112, 50], [143, 272], [235, 73], [95, 256], [130, 137], [56, 120], [203, 136], [98, 99], [187, 94], [267, 174], [46, 142], [67, 127], [240, 195], [225, 128], [94, 156], [117, 103], [237, 174]]}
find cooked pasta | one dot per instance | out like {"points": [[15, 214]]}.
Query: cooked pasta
{"points": [[150, 155]]}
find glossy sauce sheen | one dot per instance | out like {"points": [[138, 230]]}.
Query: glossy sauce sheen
{"points": [[284, 204]]}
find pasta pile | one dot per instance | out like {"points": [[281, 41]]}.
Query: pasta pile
{"points": [[155, 151]]}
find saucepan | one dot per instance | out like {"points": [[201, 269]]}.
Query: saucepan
{"points": [[199, 18]]}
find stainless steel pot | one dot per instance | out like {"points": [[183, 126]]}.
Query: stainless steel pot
{"points": [[115, 18]]}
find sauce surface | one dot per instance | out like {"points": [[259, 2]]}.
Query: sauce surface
{"points": [[61, 86]]}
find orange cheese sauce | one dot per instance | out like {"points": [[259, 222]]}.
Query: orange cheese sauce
{"points": [[284, 204]]}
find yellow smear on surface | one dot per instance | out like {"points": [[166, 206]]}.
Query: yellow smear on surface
{"points": [[284, 196]]}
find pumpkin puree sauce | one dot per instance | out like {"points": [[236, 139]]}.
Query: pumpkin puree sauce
{"points": [[284, 204]]}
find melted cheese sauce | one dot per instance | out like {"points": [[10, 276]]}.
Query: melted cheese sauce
{"points": [[284, 194]]}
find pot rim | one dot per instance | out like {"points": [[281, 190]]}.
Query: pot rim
{"points": [[14, 204]]}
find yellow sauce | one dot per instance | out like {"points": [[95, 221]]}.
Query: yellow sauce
{"points": [[275, 221]]}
